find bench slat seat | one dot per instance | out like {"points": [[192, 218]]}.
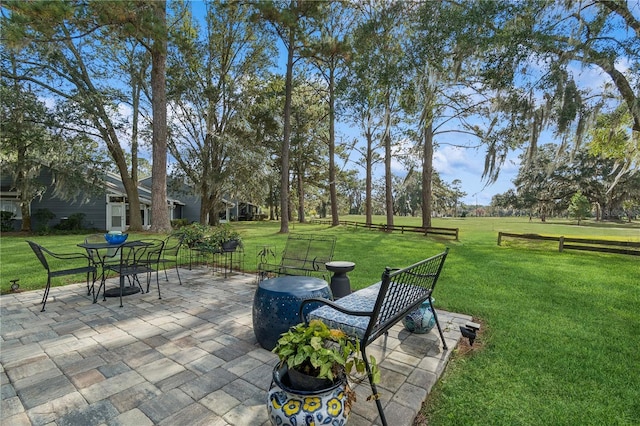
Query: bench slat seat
{"points": [[361, 301]]}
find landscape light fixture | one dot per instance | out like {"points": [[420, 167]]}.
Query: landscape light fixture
{"points": [[469, 331]]}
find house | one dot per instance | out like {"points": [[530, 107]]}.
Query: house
{"points": [[190, 209], [235, 210], [107, 209], [104, 209], [246, 211]]}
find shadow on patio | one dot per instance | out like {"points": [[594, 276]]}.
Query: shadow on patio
{"points": [[190, 358]]}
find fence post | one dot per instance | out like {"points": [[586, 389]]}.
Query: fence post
{"points": [[499, 237], [561, 244]]}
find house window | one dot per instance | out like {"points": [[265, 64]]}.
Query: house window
{"points": [[12, 206]]}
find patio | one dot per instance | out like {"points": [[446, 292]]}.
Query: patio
{"points": [[190, 358]]}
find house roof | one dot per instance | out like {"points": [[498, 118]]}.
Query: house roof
{"points": [[146, 182], [113, 184]]}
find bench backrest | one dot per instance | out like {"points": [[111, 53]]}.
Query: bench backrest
{"points": [[403, 290], [307, 252]]}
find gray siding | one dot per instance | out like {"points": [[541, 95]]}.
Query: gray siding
{"points": [[95, 210], [178, 191], [191, 209]]}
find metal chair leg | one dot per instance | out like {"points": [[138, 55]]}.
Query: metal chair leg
{"points": [[46, 293], [374, 389], [435, 315], [178, 273]]}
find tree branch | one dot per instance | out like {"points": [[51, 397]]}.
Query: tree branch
{"points": [[621, 8]]}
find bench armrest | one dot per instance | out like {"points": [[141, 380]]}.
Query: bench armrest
{"points": [[315, 264], [333, 305]]}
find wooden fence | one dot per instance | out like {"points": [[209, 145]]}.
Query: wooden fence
{"points": [[450, 232], [586, 244]]}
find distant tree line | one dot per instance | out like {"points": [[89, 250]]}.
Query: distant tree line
{"points": [[199, 86], [547, 186]]}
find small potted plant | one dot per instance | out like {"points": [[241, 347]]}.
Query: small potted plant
{"points": [[228, 238], [312, 377]]}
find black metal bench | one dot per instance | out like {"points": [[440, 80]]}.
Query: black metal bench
{"points": [[304, 254], [372, 311]]}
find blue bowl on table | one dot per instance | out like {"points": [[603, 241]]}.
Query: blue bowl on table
{"points": [[116, 238]]}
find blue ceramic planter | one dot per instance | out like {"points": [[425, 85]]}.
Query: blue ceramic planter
{"points": [[420, 321], [292, 407]]}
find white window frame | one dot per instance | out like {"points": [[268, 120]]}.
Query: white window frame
{"points": [[9, 201]]}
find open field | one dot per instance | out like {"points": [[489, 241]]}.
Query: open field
{"points": [[560, 330]]}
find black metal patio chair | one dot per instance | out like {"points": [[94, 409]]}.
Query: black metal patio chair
{"points": [[43, 254], [150, 258], [133, 262], [170, 253], [103, 260]]}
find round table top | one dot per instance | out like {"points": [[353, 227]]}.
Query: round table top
{"points": [[293, 284], [340, 266]]}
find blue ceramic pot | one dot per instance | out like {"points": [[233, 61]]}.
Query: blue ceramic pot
{"points": [[288, 406], [420, 321]]}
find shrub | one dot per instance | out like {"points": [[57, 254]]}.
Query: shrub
{"points": [[179, 223], [192, 234], [72, 223], [42, 217], [224, 233], [5, 221]]}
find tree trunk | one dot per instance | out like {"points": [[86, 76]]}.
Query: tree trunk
{"points": [[160, 222], [21, 182], [427, 174], [284, 157], [335, 220], [204, 209], [388, 184], [21, 178], [368, 203], [301, 216], [271, 202], [130, 187]]}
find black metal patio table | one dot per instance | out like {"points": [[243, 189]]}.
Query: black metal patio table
{"points": [[128, 265]]}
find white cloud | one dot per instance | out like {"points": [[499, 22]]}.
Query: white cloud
{"points": [[467, 165], [49, 101], [449, 159]]}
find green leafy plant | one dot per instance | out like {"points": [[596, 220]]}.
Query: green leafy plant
{"points": [[579, 207], [179, 223], [43, 217], [193, 234], [316, 350], [5, 221], [71, 223], [224, 233]]}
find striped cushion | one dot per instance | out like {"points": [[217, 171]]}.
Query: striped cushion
{"points": [[362, 300]]}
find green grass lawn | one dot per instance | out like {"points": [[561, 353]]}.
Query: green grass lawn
{"points": [[559, 341]]}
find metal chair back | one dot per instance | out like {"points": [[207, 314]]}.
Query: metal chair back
{"points": [[38, 250]]}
